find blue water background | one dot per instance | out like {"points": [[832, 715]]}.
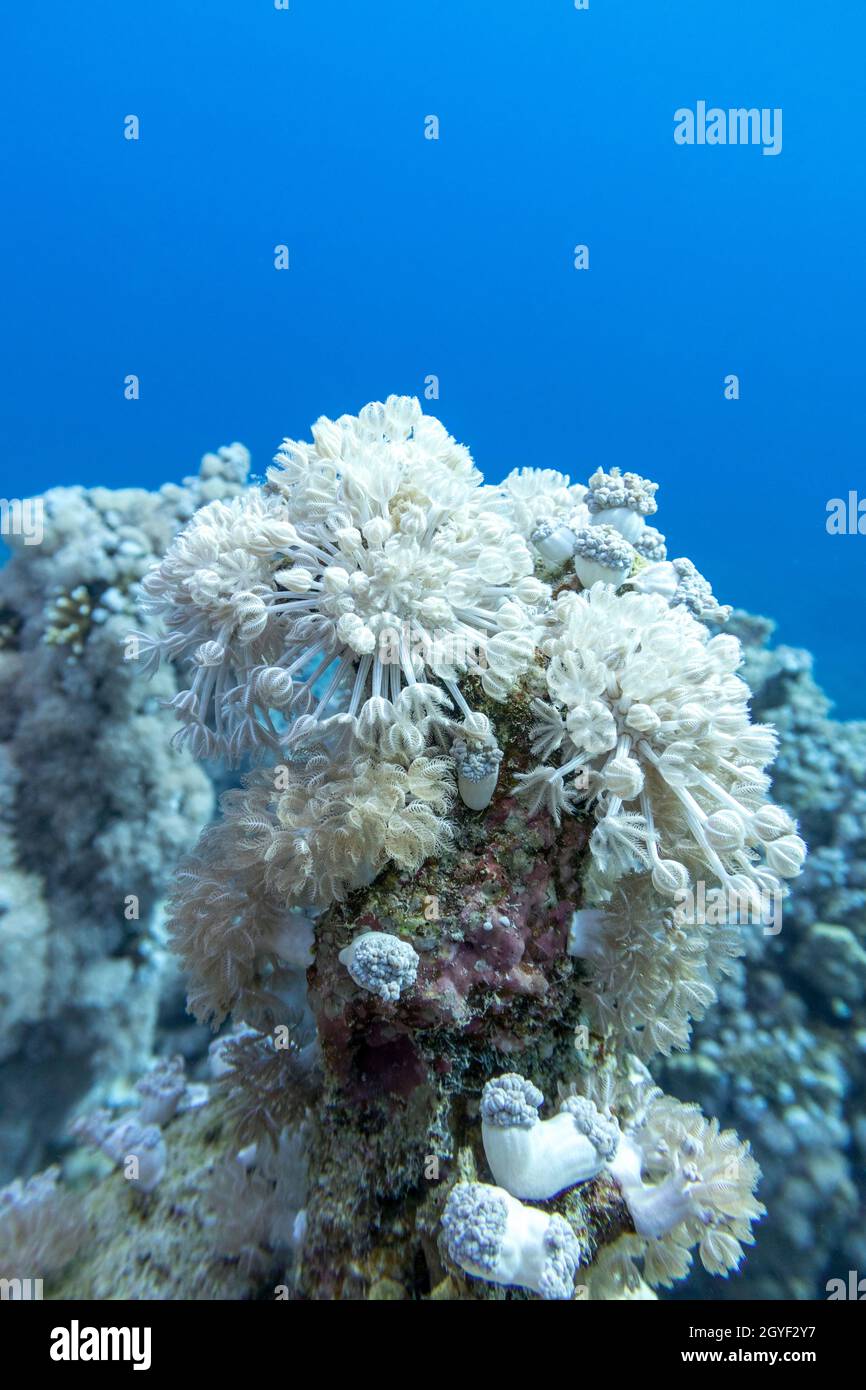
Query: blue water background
{"points": [[412, 257]]}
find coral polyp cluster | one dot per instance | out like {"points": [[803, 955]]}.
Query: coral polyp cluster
{"points": [[683, 1182], [372, 555], [651, 725], [503, 766]]}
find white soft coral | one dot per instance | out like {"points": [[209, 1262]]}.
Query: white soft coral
{"points": [[373, 559], [538, 1158], [652, 724], [328, 825]]}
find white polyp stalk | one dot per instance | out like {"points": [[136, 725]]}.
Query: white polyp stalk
{"points": [[478, 616], [454, 692], [572, 766], [657, 1210], [523, 1253], [558, 547], [332, 686], [629, 523], [360, 684], [299, 661], [320, 669], [659, 577], [541, 1160], [405, 661], [694, 815], [477, 794], [584, 932], [704, 780], [590, 572]]}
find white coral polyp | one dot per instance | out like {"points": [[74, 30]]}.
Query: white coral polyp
{"points": [[373, 559], [542, 503], [491, 1235], [536, 1158], [651, 725], [381, 964]]}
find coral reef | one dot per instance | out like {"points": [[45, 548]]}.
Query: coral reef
{"points": [[96, 805], [502, 831], [784, 1053]]}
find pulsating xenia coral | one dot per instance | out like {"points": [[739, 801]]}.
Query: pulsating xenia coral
{"points": [[322, 827], [372, 557], [651, 724], [498, 752], [650, 969]]}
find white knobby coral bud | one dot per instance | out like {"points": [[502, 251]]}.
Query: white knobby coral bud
{"points": [[382, 964], [350, 541], [769, 822], [203, 587], [651, 544], [621, 500], [530, 590], [274, 687], [785, 856], [435, 611], [356, 634], [377, 531], [660, 578], [537, 1158], [492, 1236], [725, 830], [555, 544], [592, 727], [509, 653], [677, 765], [511, 616], [642, 719], [296, 580], [335, 579], [602, 555], [670, 877], [623, 777], [271, 533], [493, 565], [210, 654], [692, 721], [251, 614], [477, 772]]}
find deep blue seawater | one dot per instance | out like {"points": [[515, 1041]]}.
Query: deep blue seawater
{"points": [[411, 257]]}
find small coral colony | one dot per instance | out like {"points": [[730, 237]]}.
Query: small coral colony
{"points": [[398, 649]]}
